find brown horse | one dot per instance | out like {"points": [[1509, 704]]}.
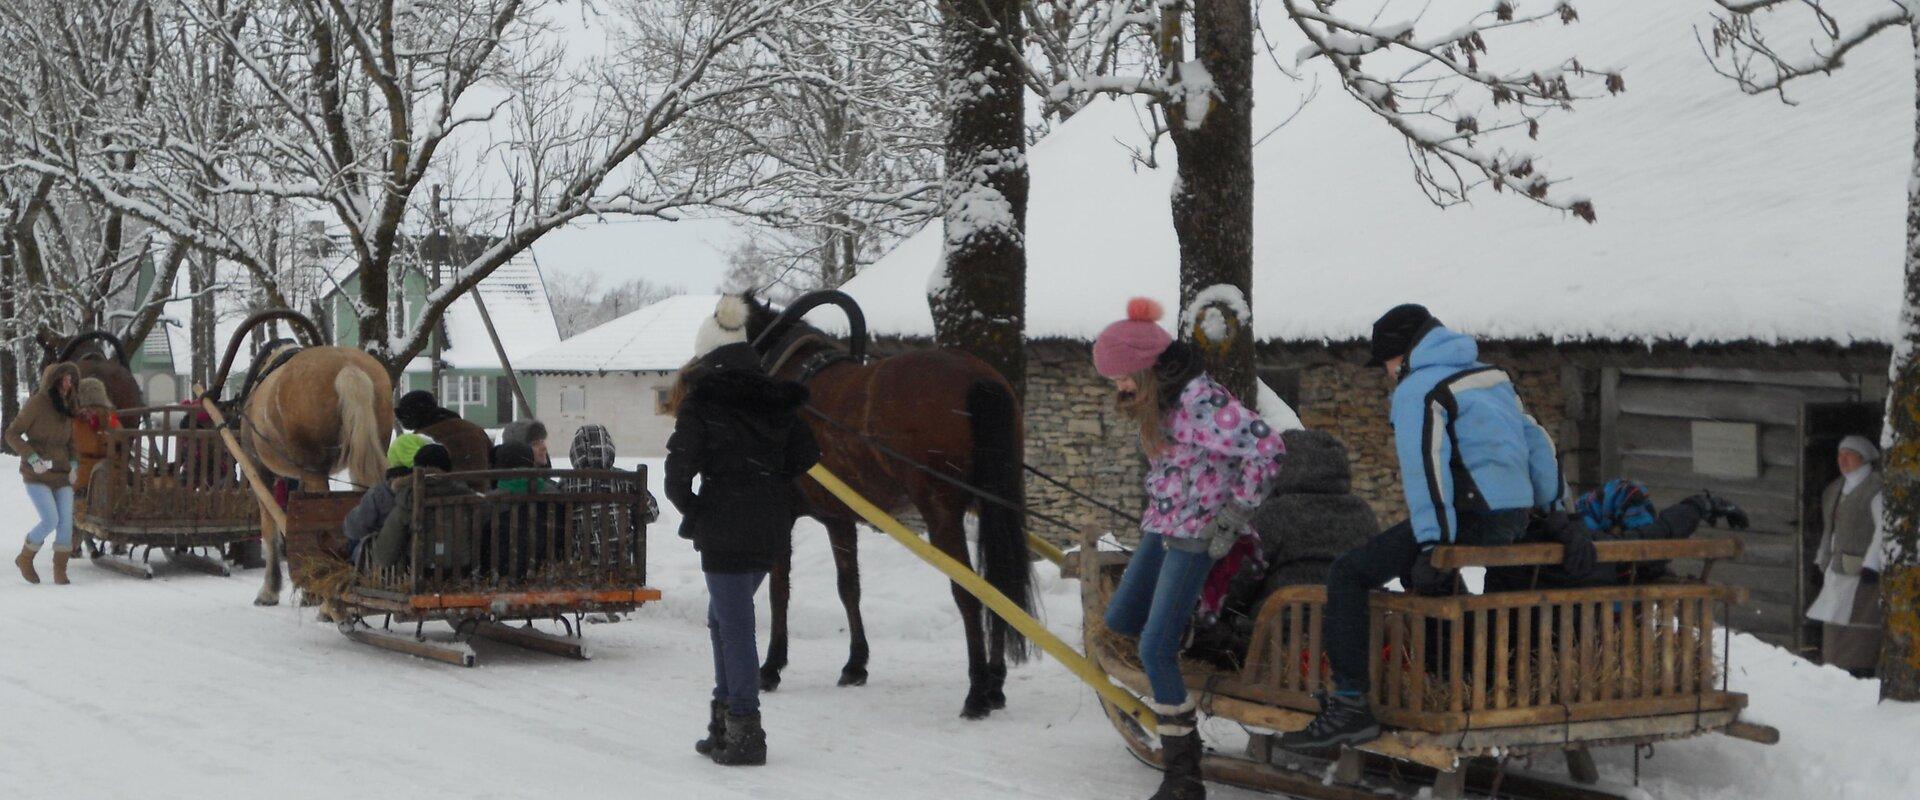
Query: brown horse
{"points": [[87, 351], [943, 409], [315, 412]]}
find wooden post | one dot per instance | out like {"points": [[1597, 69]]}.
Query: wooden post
{"points": [[261, 491], [513, 380]]}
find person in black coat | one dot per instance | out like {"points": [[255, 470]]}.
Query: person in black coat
{"points": [[740, 432]]}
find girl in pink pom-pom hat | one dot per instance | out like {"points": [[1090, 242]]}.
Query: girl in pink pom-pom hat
{"points": [[1211, 460]]}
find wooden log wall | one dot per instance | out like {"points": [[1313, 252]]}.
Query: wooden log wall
{"points": [[1646, 419]]}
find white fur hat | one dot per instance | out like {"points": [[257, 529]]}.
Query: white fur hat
{"points": [[1859, 444], [727, 325]]}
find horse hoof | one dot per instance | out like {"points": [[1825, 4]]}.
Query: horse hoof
{"points": [[266, 600], [769, 680], [975, 708], [996, 701], [853, 677]]}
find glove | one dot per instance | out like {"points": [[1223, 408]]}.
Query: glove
{"points": [[1425, 579], [1713, 509], [1225, 528], [1581, 556], [38, 465]]}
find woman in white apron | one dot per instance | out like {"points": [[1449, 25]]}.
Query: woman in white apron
{"points": [[1851, 556]]}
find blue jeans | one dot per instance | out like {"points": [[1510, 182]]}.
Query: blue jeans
{"points": [[1155, 602], [736, 658], [56, 515]]}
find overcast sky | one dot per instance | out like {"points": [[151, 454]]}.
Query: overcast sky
{"points": [[689, 254]]}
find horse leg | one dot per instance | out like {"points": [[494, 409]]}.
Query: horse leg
{"points": [[270, 544], [846, 563], [777, 596], [947, 531]]}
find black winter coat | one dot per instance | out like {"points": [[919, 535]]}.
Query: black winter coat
{"points": [[740, 431]]}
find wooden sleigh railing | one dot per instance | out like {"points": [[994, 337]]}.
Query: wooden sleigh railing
{"points": [[167, 483], [1511, 658], [480, 549]]}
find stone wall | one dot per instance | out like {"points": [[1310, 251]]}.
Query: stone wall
{"points": [[1351, 402], [1074, 434]]}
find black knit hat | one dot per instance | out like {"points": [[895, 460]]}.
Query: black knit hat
{"points": [[738, 355], [1398, 330], [512, 455], [415, 408], [434, 455]]}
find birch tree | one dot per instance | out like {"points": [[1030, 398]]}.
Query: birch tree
{"points": [[978, 295], [1429, 79], [1816, 41]]}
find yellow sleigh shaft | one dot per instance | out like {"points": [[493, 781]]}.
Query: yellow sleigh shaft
{"points": [[1001, 605]]}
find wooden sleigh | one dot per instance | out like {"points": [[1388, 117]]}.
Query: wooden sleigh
{"points": [[480, 560], [166, 485], [1462, 680]]}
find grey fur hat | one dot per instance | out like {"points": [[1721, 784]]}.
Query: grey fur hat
{"points": [[1316, 463], [523, 431]]}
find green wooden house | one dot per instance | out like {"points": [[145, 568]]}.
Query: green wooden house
{"points": [[473, 383]]}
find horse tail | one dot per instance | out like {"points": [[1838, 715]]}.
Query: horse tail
{"points": [[360, 441], [1004, 558]]}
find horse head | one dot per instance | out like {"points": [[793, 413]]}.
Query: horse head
{"points": [[769, 331]]}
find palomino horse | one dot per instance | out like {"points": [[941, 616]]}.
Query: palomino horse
{"points": [[87, 352], [943, 409], [308, 414]]}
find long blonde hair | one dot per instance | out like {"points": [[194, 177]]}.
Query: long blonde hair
{"points": [[1144, 409]]}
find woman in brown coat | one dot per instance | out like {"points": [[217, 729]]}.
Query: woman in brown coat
{"points": [[42, 435]]}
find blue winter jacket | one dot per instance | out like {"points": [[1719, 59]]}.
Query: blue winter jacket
{"points": [[1505, 456]]}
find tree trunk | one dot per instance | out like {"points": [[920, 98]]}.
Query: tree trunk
{"points": [[1213, 204], [9, 365], [979, 299], [200, 333], [373, 326], [1900, 586]]}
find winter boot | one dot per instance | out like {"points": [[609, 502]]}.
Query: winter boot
{"points": [[60, 566], [716, 729], [25, 562], [745, 745], [1179, 753], [1344, 719]]}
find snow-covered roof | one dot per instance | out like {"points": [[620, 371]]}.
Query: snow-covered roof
{"points": [[658, 337], [1722, 217], [516, 298]]}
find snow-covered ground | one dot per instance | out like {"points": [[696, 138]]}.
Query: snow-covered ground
{"points": [[178, 687]]}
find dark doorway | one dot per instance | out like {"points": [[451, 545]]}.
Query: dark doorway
{"points": [[506, 411], [1822, 426]]}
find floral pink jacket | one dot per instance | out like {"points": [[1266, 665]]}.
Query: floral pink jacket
{"points": [[1220, 452]]}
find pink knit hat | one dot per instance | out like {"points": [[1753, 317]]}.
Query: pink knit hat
{"points": [[1132, 344]]}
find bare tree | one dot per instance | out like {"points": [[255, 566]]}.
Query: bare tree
{"points": [[858, 136], [1819, 41], [1457, 114], [580, 302], [350, 105]]}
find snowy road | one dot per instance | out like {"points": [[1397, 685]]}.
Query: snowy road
{"points": [[178, 688]]}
